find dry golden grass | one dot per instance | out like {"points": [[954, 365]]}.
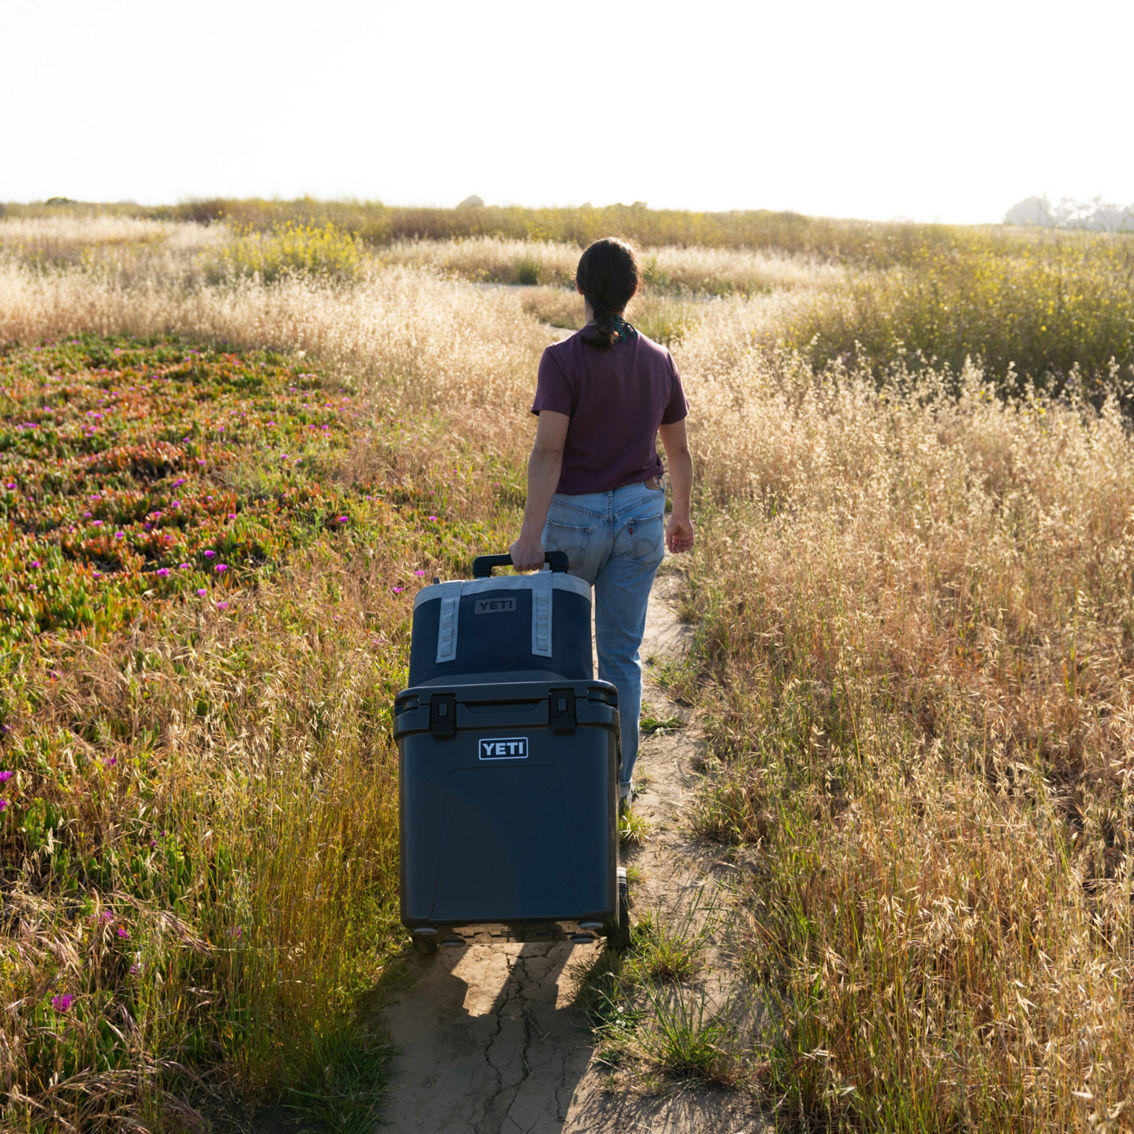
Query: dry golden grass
{"points": [[66, 232], [490, 259], [713, 271], [127, 250], [720, 271], [425, 340], [916, 652], [919, 617]]}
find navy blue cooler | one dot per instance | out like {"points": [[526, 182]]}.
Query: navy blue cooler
{"points": [[508, 753]]}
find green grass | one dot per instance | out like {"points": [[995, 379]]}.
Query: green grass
{"points": [[668, 952], [652, 1020], [658, 726], [1056, 315], [287, 248], [632, 828]]}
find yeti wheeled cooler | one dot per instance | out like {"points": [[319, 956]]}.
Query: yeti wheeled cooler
{"points": [[508, 755]]}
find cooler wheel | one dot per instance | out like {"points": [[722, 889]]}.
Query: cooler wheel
{"points": [[619, 937], [425, 941]]}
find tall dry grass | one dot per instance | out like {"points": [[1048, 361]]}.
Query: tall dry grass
{"points": [[915, 660], [666, 268], [420, 339], [124, 249], [917, 615]]}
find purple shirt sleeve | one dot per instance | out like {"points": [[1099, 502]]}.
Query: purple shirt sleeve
{"points": [[553, 391]]}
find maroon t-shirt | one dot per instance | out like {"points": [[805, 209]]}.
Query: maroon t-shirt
{"points": [[616, 399]]}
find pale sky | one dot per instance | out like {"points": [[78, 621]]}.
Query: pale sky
{"points": [[876, 109]]}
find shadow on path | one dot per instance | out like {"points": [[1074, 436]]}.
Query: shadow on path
{"points": [[487, 1040]]}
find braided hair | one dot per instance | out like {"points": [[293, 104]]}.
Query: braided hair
{"points": [[608, 276]]}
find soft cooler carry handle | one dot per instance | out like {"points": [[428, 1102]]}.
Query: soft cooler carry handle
{"points": [[483, 564]]}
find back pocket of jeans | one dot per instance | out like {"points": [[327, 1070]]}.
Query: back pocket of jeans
{"points": [[647, 537], [572, 539]]}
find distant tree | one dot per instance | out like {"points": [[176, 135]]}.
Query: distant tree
{"points": [[1097, 215], [473, 202], [1112, 218], [1031, 211]]}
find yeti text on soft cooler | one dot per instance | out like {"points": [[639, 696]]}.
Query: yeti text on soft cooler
{"points": [[494, 605], [505, 748]]}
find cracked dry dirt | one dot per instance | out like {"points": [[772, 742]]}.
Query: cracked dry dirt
{"points": [[489, 1038]]}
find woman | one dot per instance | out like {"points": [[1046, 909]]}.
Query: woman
{"points": [[603, 397]]}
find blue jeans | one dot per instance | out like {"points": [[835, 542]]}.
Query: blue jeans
{"points": [[615, 542]]}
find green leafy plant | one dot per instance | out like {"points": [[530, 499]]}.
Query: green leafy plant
{"points": [[290, 248]]}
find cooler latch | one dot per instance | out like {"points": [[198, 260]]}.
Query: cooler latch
{"points": [[443, 714], [561, 710]]}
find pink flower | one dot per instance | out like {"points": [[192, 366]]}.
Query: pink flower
{"points": [[419, 573], [209, 554], [163, 571], [398, 590], [221, 567], [433, 519], [5, 776], [202, 592], [123, 932], [222, 606], [63, 1001]]}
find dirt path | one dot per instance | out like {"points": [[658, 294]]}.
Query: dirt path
{"points": [[489, 1038]]}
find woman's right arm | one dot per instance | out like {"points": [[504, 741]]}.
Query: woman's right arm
{"points": [[544, 467], [675, 441]]}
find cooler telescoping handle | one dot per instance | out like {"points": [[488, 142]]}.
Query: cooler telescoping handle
{"points": [[483, 564]]}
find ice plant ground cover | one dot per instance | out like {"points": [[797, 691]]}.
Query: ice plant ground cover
{"points": [[127, 477], [207, 574]]}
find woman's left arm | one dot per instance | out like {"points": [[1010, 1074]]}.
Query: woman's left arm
{"points": [[544, 467], [675, 441]]}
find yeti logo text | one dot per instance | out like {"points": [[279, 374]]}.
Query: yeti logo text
{"points": [[494, 605], [505, 748]]}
